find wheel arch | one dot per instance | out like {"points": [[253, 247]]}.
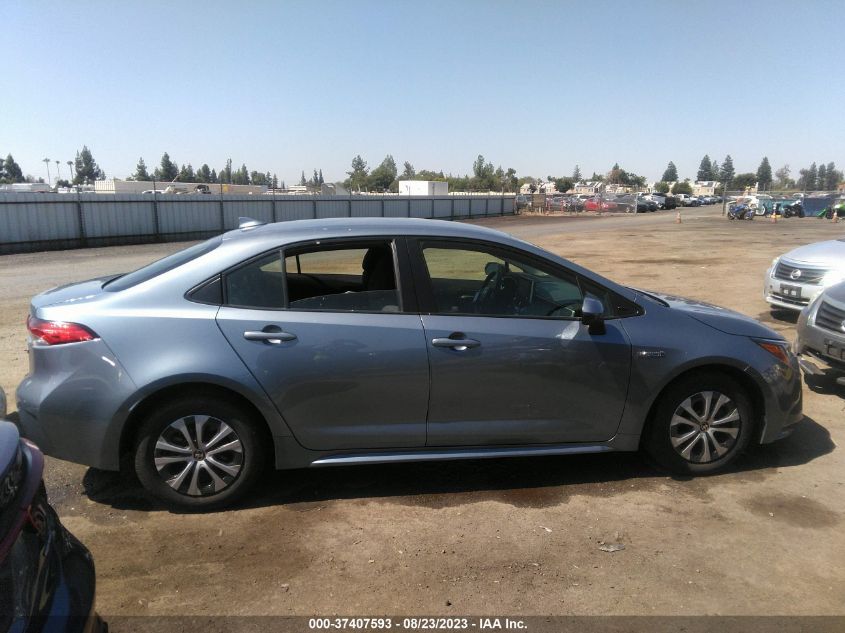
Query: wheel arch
{"points": [[743, 378], [156, 395]]}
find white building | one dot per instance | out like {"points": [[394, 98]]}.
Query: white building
{"points": [[116, 185], [423, 188]]}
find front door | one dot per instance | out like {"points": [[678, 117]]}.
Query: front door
{"points": [[511, 362]]}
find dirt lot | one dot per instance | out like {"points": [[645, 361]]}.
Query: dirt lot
{"points": [[513, 537]]}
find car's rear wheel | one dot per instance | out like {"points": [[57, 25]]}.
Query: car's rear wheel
{"points": [[701, 424], [198, 453]]}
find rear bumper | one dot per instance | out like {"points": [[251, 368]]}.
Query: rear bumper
{"points": [[69, 402]]}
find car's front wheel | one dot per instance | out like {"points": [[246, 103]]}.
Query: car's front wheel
{"points": [[198, 453], [701, 424]]}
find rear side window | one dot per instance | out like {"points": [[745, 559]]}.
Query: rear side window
{"points": [[257, 284], [162, 265]]}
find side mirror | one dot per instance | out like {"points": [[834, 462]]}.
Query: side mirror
{"points": [[591, 315]]}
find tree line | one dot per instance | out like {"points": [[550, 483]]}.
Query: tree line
{"points": [[484, 176], [821, 177], [385, 177]]}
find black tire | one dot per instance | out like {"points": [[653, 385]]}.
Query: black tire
{"points": [[658, 436], [249, 457]]}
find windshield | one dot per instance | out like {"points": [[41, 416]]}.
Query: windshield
{"points": [[162, 265]]}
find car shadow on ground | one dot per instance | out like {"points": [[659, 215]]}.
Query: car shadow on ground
{"points": [[826, 383], [528, 482]]}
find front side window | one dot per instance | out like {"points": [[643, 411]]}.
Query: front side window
{"points": [[361, 278], [479, 280]]}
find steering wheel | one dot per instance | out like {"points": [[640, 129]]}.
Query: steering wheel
{"points": [[491, 282], [565, 306]]}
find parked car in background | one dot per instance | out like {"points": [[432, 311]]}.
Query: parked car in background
{"points": [[357, 340], [797, 277], [644, 205], [820, 343], [46, 576]]}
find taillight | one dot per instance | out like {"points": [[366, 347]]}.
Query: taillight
{"points": [[58, 332]]}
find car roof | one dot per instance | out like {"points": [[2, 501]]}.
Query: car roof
{"points": [[302, 230]]}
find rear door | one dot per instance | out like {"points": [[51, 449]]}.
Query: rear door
{"points": [[331, 339]]}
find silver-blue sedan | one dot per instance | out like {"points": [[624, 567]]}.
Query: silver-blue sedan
{"points": [[359, 341]]}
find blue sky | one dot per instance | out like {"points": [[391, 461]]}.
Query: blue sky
{"points": [[538, 86]]}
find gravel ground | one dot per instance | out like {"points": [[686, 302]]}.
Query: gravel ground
{"points": [[516, 536]]}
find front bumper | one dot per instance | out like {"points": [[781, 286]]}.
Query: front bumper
{"points": [[820, 351], [789, 295]]}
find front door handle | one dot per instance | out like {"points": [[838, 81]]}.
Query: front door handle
{"points": [[456, 341], [273, 338]]}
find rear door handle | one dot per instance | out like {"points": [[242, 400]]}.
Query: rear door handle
{"points": [[273, 338], [456, 341]]}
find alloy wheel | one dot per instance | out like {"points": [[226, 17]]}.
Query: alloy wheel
{"points": [[705, 427], [198, 455]]}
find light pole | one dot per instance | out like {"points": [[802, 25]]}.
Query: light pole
{"points": [[47, 161]]}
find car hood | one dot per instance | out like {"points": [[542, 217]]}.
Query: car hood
{"points": [[831, 253], [837, 292], [719, 318]]}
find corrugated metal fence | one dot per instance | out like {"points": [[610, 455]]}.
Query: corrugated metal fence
{"points": [[36, 222]]}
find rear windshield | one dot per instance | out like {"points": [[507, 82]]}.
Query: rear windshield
{"points": [[162, 265]]}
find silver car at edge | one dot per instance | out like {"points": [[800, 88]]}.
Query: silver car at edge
{"points": [[359, 341], [820, 343], [796, 278]]}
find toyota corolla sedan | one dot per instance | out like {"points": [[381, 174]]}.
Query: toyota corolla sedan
{"points": [[360, 341], [796, 278]]}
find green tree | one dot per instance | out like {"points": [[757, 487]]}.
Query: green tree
{"points": [[764, 174], [186, 174], [141, 171], [705, 169], [821, 177], [11, 172], [807, 181], [166, 171], [741, 181], [382, 177], [225, 175], [783, 180], [682, 187], [241, 176], [511, 181], [833, 177], [564, 184], [409, 173], [358, 176], [322, 182], [671, 173], [204, 173], [726, 175], [213, 176], [714, 170], [576, 174], [662, 187], [86, 167], [302, 181]]}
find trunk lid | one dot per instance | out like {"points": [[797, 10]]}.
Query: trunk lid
{"points": [[73, 293]]}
